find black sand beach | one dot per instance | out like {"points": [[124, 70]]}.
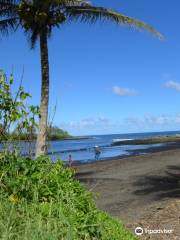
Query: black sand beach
{"points": [[132, 188]]}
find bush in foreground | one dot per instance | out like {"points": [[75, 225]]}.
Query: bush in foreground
{"points": [[41, 200]]}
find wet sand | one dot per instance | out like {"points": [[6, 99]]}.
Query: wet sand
{"points": [[131, 187]]}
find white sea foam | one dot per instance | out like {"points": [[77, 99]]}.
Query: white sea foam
{"points": [[122, 139]]}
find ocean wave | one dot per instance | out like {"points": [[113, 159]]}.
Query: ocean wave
{"points": [[121, 139], [75, 150]]}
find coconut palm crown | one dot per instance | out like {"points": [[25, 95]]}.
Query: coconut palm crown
{"points": [[38, 18]]}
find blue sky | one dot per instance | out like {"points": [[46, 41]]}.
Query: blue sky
{"points": [[106, 78]]}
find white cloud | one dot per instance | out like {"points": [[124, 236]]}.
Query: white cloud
{"points": [[87, 123], [124, 91], [103, 125], [172, 84], [154, 120]]}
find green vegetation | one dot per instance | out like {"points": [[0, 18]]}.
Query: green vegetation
{"points": [[41, 200], [55, 133], [16, 114]]}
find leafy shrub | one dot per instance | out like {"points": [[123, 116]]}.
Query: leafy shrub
{"points": [[42, 200], [14, 112]]}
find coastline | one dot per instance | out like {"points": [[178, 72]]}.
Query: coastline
{"points": [[136, 152], [51, 139], [148, 140]]}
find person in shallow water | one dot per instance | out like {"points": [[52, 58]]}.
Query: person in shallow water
{"points": [[97, 152]]}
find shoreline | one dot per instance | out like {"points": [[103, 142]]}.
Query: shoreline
{"points": [[132, 187], [126, 159], [133, 153], [148, 140], [51, 139]]}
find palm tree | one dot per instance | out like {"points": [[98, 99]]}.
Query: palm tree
{"points": [[38, 18]]}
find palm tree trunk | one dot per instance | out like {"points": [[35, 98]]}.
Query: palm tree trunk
{"points": [[42, 134]]}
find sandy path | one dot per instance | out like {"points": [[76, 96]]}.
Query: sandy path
{"points": [[128, 188]]}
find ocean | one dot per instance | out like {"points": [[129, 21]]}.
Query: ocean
{"points": [[82, 150]]}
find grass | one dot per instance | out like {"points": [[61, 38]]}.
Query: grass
{"points": [[41, 200]]}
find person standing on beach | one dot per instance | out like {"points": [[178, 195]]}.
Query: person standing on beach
{"points": [[97, 152], [70, 160]]}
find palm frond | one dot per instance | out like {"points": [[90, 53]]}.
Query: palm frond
{"points": [[92, 14], [8, 7], [9, 2], [72, 2], [7, 25], [76, 3], [32, 36]]}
